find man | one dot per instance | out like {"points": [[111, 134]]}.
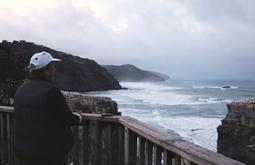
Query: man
{"points": [[42, 117]]}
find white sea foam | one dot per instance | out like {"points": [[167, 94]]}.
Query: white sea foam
{"points": [[213, 100], [206, 87], [157, 94], [214, 87], [199, 130], [144, 101]]}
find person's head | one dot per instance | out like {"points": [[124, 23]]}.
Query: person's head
{"points": [[42, 64]]}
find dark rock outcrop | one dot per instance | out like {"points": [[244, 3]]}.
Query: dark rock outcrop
{"points": [[132, 73], [73, 73], [91, 104], [236, 135]]}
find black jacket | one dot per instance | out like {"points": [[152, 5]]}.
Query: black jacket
{"points": [[42, 120]]}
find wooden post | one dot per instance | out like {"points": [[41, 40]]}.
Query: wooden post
{"points": [[120, 144], [94, 140], [157, 155], [185, 161], [177, 159], [8, 138], [85, 142], [2, 139], [130, 147], [167, 158], [106, 150], [148, 152], [141, 151], [76, 147]]}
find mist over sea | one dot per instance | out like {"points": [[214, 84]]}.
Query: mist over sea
{"points": [[192, 109]]}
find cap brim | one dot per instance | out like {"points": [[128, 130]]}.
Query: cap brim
{"points": [[55, 59]]}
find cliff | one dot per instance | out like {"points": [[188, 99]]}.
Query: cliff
{"points": [[73, 73], [91, 104], [236, 134], [132, 73]]}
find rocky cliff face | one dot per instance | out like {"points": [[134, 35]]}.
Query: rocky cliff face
{"points": [[236, 135], [91, 104], [132, 73], [73, 73]]}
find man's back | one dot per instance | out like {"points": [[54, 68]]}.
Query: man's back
{"points": [[38, 133]]}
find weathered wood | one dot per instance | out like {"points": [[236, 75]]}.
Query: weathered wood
{"points": [[141, 150], [148, 152], [167, 158], [185, 161], [120, 145], [130, 147], [85, 145], [76, 147], [2, 138], [157, 155], [99, 117], [131, 153], [94, 138], [106, 147], [8, 139], [176, 144], [126, 148], [6, 109], [177, 159]]}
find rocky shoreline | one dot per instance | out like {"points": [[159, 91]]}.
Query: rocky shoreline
{"points": [[236, 134]]}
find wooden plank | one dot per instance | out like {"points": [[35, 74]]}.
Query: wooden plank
{"points": [[106, 147], [185, 162], [167, 158], [109, 143], [154, 155], [12, 139], [177, 159], [1, 138], [157, 155], [85, 145], [148, 152], [6, 109], [141, 150], [76, 146], [176, 144], [130, 147], [8, 139], [94, 139], [167, 141], [98, 117], [120, 154], [126, 148]]}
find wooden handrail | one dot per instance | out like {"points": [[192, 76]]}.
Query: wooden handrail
{"points": [[113, 140]]}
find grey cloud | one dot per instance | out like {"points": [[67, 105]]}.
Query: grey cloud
{"points": [[186, 39]]}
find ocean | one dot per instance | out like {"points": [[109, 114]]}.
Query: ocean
{"points": [[192, 109]]}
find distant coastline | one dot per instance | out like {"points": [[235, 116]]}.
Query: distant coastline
{"points": [[129, 72]]}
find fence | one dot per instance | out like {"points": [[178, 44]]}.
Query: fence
{"points": [[118, 140]]}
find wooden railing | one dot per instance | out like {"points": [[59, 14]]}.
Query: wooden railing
{"points": [[118, 140]]}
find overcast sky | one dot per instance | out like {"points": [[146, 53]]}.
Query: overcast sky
{"points": [[186, 39]]}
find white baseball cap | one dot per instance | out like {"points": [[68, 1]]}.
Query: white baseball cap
{"points": [[40, 60]]}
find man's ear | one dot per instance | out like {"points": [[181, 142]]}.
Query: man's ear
{"points": [[46, 72]]}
